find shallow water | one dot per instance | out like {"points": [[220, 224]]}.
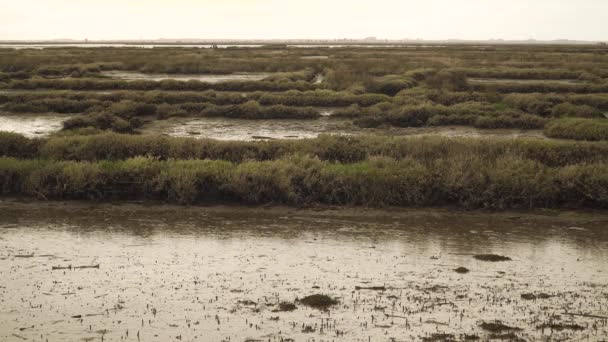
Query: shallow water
{"points": [[245, 130], [32, 125], [217, 274], [241, 129], [137, 76]]}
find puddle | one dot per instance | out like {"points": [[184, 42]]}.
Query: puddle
{"points": [[32, 125], [526, 81], [136, 76], [221, 274]]}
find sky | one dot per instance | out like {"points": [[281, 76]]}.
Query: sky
{"points": [[300, 19]]}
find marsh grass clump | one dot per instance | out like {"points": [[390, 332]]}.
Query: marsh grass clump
{"points": [[318, 301], [14, 145], [103, 121], [491, 257]]}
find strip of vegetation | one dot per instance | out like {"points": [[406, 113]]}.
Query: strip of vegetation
{"points": [[481, 115], [343, 149], [578, 129], [506, 182], [528, 73], [102, 84], [541, 87], [74, 102]]}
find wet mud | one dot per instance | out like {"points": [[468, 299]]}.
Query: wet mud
{"points": [[160, 273]]}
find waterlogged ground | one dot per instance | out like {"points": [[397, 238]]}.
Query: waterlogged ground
{"points": [[240, 129], [41, 125], [135, 76], [32, 125], [219, 273]]}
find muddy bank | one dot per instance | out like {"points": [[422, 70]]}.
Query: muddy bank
{"points": [[244, 274]]}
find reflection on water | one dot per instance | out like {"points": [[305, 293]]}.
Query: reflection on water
{"points": [[32, 125], [217, 274]]}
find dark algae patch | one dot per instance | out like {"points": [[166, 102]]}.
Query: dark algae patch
{"points": [[491, 257], [462, 270], [497, 327], [318, 301], [286, 307], [555, 326], [532, 296], [439, 337], [371, 288]]}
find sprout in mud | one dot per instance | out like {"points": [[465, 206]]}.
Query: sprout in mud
{"points": [[318, 301], [491, 257]]}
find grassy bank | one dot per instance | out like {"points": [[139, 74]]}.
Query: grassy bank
{"points": [[111, 146], [578, 129], [506, 182]]}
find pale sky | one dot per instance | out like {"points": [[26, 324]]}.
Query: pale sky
{"points": [[319, 19]]}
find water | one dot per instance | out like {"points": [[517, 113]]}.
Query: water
{"points": [[242, 129], [32, 125], [136, 76], [246, 130], [217, 273]]}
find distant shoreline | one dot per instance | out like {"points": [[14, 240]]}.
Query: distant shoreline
{"points": [[304, 42]]}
